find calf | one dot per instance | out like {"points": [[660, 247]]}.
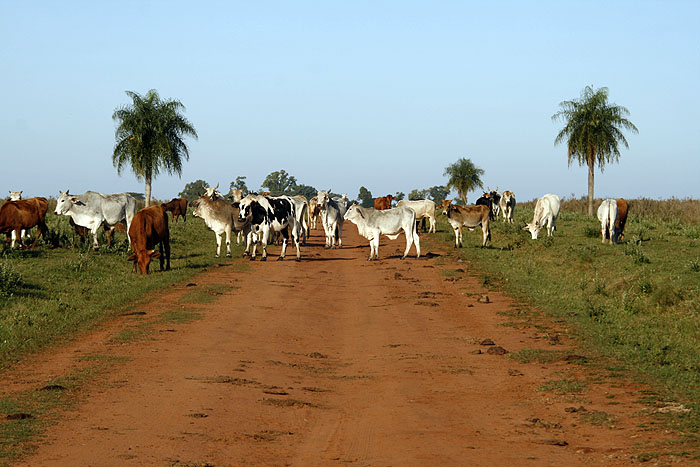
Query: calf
{"points": [[546, 212], [383, 202], [469, 217], [178, 206], [24, 214], [507, 206], [622, 208], [149, 227], [372, 223], [607, 215], [424, 208], [267, 215]]}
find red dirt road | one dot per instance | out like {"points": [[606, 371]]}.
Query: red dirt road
{"points": [[335, 360]]}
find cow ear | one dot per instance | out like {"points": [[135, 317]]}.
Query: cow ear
{"points": [[132, 257], [153, 253], [526, 227]]}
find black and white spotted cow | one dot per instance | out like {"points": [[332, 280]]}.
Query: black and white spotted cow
{"points": [[268, 215]]}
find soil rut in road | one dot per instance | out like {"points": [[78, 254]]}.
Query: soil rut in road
{"points": [[338, 360]]}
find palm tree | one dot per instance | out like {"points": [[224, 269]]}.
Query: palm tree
{"points": [[149, 137], [464, 177], [593, 131]]}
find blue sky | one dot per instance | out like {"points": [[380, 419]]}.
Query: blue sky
{"points": [[347, 94]]}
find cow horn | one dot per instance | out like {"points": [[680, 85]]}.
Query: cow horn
{"points": [[216, 187]]}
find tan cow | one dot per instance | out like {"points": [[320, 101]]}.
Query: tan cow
{"points": [[622, 209], [470, 217]]}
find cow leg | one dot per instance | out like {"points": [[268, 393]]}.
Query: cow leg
{"points": [[340, 235], [458, 234], [265, 237], [93, 231], [416, 241], [218, 244], [166, 245], [228, 241], [409, 239], [285, 238]]}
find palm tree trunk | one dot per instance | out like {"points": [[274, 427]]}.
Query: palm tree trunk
{"points": [[463, 195], [148, 190], [591, 173]]}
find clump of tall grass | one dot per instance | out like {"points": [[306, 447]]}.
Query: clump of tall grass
{"points": [[10, 280]]}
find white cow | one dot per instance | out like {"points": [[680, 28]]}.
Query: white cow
{"points": [[507, 206], [372, 223], [92, 209], [546, 212], [331, 218], [423, 208], [222, 218], [607, 215]]}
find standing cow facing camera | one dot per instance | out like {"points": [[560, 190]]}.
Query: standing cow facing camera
{"points": [[149, 227]]}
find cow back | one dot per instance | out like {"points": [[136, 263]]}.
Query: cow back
{"points": [[148, 228]]}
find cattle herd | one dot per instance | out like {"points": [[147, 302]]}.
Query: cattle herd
{"points": [[261, 219]]}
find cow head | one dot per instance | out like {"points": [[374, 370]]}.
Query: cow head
{"points": [[15, 195], [533, 228], [323, 198], [446, 203], [143, 258], [354, 214], [64, 202], [212, 194]]}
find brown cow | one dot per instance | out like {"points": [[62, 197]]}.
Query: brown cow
{"points": [[178, 206], [148, 228], [383, 202], [622, 208], [470, 217], [24, 214]]}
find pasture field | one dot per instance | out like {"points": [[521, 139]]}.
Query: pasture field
{"points": [[637, 302], [49, 295]]}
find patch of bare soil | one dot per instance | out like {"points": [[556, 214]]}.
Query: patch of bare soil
{"points": [[330, 361]]}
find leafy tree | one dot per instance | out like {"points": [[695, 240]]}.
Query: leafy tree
{"points": [[239, 184], [365, 198], [593, 131], [306, 190], [279, 183], [399, 196], [417, 194], [193, 190], [149, 137], [438, 193], [464, 177]]}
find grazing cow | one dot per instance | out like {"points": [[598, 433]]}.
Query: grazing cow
{"points": [[268, 215], [314, 212], [221, 217], [546, 212], [607, 215], [423, 208], [469, 217], [16, 216], [92, 209], [149, 227], [622, 209], [178, 206], [507, 206], [372, 223], [332, 213], [383, 202]]}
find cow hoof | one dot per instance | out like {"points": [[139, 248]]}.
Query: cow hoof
{"points": [[281, 258], [298, 260], [326, 247], [228, 255], [252, 258], [264, 258]]}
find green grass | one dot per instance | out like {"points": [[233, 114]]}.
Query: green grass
{"points": [[637, 303], [49, 295]]}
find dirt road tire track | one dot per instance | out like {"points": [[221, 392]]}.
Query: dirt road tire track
{"points": [[331, 361]]}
